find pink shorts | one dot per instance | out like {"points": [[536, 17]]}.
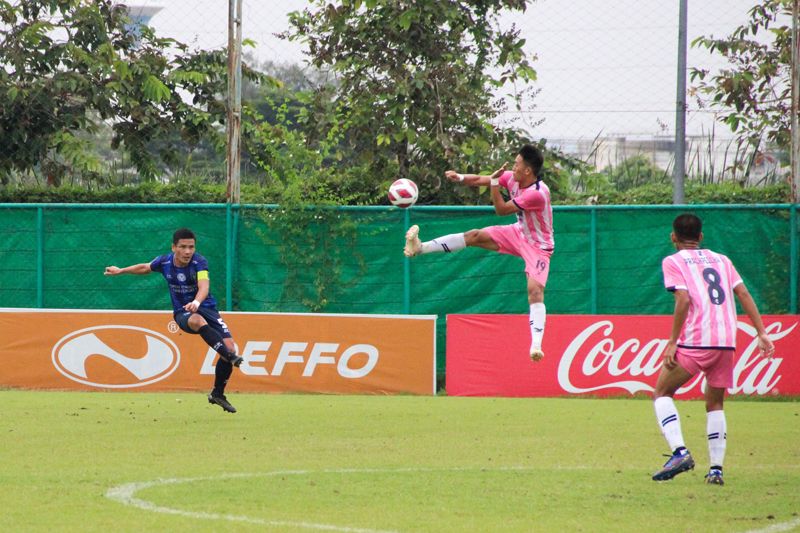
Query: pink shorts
{"points": [[716, 364], [511, 241]]}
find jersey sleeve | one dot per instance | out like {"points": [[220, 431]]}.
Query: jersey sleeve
{"points": [[155, 264], [201, 264], [733, 275], [505, 177], [532, 199], [673, 279]]}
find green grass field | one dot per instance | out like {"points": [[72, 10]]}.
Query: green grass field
{"points": [[171, 462]]}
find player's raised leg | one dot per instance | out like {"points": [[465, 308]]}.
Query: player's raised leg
{"points": [[446, 243], [197, 323], [222, 372]]}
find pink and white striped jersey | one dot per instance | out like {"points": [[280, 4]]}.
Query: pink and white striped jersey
{"points": [[709, 278], [535, 217]]}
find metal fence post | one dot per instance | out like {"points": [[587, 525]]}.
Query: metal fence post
{"points": [[228, 256], [679, 173], [593, 258], [40, 257], [406, 268], [794, 257]]}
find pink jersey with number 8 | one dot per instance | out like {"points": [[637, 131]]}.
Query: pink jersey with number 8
{"points": [[709, 278]]}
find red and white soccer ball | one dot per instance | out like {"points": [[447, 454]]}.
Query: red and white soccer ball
{"points": [[403, 193]]}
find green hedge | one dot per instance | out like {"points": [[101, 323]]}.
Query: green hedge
{"points": [[185, 191], [699, 193]]}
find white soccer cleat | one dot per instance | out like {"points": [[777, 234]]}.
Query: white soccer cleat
{"points": [[413, 245], [536, 355]]}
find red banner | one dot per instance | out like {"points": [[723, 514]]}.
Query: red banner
{"points": [[487, 355], [130, 350]]}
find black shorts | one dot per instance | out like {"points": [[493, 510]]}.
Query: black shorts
{"points": [[212, 317]]}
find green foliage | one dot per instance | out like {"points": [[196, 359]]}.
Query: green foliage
{"points": [[635, 172], [315, 242], [177, 192], [103, 71], [755, 91], [196, 191], [696, 192], [413, 90]]}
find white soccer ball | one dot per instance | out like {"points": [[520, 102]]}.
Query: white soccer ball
{"points": [[403, 193]]}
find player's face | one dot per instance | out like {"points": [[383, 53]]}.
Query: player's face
{"points": [[522, 170], [183, 250]]}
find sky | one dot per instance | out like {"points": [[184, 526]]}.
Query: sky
{"points": [[605, 67]]}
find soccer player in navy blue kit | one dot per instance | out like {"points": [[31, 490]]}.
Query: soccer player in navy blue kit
{"points": [[195, 309]]}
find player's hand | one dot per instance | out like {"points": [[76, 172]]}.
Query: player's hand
{"points": [[111, 271], [668, 356], [192, 306], [452, 175], [766, 346], [499, 171]]}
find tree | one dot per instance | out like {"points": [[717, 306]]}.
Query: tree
{"points": [[68, 65], [755, 92], [414, 82]]}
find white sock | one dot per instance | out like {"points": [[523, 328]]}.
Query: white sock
{"points": [[717, 436], [447, 243], [669, 421], [538, 317]]}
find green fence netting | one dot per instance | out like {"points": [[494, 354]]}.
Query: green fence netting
{"points": [[349, 259]]}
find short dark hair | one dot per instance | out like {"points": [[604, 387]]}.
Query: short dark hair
{"points": [[183, 233], [533, 157], [687, 227]]}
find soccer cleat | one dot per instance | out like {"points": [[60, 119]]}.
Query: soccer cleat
{"points": [[413, 245], [222, 401], [714, 477], [676, 464], [236, 360], [536, 355]]}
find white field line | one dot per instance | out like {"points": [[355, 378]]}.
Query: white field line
{"points": [[777, 528], [126, 495]]}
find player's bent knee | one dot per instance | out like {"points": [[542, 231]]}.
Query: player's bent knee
{"points": [[196, 322], [480, 238], [535, 294], [472, 237]]}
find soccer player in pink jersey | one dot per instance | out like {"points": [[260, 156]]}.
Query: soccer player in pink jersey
{"points": [[530, 238], [703, 339]]}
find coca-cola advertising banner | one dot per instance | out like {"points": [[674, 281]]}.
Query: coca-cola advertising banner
{"points": [[602, 355]]}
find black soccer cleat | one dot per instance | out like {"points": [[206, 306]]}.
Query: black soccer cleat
{"points": [[222, 401], [235, 360]]}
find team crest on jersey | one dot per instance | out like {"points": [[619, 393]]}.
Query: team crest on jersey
{"points": [[181, 277]]}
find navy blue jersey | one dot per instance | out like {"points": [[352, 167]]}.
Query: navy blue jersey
{"points": [[182, 281]]}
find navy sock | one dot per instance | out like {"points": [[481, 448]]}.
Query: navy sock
{"points": [[221, 374], [214, 339]]}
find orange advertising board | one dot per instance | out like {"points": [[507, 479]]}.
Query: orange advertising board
{"points": [[140, 350]]}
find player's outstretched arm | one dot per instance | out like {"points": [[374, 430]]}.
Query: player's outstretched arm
{"points": [[141, 268], [765, 345], [473, 180]]}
